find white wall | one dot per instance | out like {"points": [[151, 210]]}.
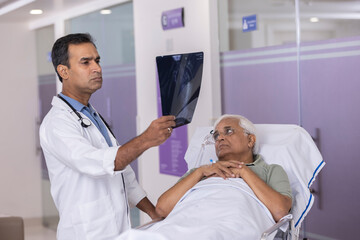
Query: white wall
{"points": [[199, 34], [20, 177]]}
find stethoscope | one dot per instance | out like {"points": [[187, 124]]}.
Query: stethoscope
{"points": [[85, 122]]}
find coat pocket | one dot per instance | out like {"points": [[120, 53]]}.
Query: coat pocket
{"points": [[99, 219]]}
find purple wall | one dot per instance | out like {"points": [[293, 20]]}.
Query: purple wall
{"points": [[116, 102], [47, 89], [262, 85], [330, 89]]}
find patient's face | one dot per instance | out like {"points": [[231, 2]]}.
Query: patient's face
{"points": [[234, 146]]}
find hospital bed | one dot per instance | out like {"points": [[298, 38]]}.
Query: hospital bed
{"points": [[287, 145]]}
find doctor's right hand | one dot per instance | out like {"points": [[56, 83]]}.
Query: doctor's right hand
{"points": [[159, 130]]}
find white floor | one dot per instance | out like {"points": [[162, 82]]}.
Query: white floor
{"points": [[36, 231]]}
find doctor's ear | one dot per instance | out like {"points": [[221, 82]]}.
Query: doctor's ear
{"points": [[63, 71]]}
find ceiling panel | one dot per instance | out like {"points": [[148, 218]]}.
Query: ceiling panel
{"points": [[236, 8], [49, 8]]}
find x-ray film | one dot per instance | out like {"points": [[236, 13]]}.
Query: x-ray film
{"points": [[180, 80]]}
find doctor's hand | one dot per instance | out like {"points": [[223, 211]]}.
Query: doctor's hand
{"points": [[159, 130], [224, 169]]}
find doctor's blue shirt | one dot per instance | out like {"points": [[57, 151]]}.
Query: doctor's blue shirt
{"points": [[90, 112]]}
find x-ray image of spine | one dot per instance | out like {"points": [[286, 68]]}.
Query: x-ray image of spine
{"points": [[180, 80]]}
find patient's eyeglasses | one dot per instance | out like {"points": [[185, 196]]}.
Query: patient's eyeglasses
{"points": [[227, 132]]}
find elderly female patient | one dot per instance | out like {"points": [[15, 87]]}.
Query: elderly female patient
{"points": [[235, 145]]}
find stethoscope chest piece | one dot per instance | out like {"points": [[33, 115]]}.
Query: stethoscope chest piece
{"points": [[85, 122]]}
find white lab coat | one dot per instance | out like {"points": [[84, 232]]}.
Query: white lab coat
{"points": [[87, 192]]}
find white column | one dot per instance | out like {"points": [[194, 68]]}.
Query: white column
{"points": [[223, 6], [199, 34]]}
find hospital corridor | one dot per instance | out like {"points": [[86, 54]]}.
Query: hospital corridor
{"points": [[182, 119]]}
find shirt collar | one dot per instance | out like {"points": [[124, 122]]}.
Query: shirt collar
{"points": [[75, 104], [257, 160]]}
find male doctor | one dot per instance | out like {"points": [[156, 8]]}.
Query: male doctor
{"points": [[92, 183]]}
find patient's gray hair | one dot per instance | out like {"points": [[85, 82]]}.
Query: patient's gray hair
{"points": [[245, 124]]}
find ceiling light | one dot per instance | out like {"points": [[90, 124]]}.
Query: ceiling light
{"points": [[105, 11], [36, 11], [314, 19]]}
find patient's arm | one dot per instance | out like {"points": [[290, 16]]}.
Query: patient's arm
{"points": [[168, 199], [146, 206], [278, 204]]}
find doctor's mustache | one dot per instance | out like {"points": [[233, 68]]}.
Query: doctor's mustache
{"points": [[97, 75]]}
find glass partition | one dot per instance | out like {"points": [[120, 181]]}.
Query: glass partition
{"points": [[306, 74], [47, 89], [329, 19], [330, 56], [113, 31], [259, 63], [275, 22]]}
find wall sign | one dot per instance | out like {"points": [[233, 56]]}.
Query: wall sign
{"points": [[172, 19], [249, 23], [172, 153]]}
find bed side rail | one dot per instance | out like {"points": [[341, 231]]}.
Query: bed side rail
{"points": [[285, 220]]}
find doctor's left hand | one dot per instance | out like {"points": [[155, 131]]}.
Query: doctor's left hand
{"points": [[159, 130]]}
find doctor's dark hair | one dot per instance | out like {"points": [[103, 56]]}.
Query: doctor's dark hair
{"points": [[60, 53]]}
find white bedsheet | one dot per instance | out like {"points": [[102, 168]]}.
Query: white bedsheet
{"points": [[216, 209]]}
